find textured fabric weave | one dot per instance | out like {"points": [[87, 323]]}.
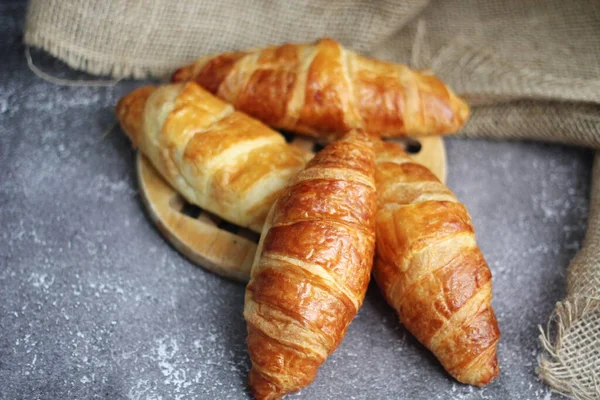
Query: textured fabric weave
{"points": [[571, 361], [530, 69]]}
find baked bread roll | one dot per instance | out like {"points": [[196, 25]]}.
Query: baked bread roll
{"points": [[217, 158], [312, 267], [430, 269], [323, 90]]}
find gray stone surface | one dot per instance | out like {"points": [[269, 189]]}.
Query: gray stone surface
{"points": [[95, 304]]}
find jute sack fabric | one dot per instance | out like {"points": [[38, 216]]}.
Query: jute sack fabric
{"points": [[571, 359], [530, 69]]}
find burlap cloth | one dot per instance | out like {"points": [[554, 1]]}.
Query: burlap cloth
{"points": [[530, 69]]}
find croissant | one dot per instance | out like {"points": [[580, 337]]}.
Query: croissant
{"points": [[430, 269], [216, 157], [312, 267], [323, 90]]}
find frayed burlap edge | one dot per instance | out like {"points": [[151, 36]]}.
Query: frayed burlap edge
{"points": [[556, 364], [100, 65]]}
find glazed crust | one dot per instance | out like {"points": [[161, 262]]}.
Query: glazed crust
{"points": [[312, 267], [217, 158], [323, 90], [430, 269]]}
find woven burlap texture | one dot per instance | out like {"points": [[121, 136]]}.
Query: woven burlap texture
{"points": [[571, 361], [530, 69]]}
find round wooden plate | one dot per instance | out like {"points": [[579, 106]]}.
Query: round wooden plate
{"points": [[219, 246]]}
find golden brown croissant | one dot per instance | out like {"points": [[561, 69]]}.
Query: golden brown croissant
{"points": [[312, 267], [216, 157], [323, 90], [430, 269]]}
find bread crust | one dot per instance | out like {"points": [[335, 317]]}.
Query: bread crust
{"points": [[323, 90], [312, 267]]}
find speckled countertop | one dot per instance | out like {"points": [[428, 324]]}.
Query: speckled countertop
{"points": [[95, 304]]}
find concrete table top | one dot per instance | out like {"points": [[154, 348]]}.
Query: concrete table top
{"points": [[95, 304]]}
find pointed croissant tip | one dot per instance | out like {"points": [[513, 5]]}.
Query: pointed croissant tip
{"points": [[359, 134], [463, 112], [183, 74], [130, 109], [262, 389], [481, 373]]}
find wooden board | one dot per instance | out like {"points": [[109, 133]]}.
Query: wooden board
{"points": [[219, 246]]}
